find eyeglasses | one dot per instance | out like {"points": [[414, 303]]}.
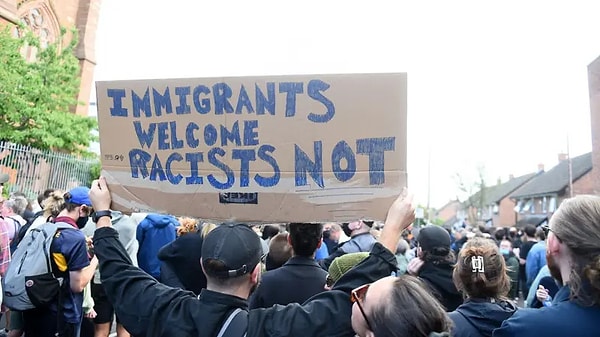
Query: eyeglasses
{"points": [[546, 228], [358, 296]]}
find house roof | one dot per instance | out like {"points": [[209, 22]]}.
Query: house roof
{"points": [[495, 194], [451, 203], [557, 179], [500, 192]]}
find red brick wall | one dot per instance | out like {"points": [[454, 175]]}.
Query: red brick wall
{"points": [[8, 12], [83, 15], [449, 211], [583, 185], [506, 213], [594, 92]]}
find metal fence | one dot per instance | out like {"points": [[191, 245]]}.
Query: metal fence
{"points": [[32, 171]]}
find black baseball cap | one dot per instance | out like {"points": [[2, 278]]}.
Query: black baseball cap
{"points": [[236, 246], [434, 239]]}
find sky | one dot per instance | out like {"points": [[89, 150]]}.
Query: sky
{"points": [[498, 85]]}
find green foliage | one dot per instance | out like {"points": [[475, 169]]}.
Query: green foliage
{"points": [[6, 190], [36, 97], [438, 221], [95, 169]]}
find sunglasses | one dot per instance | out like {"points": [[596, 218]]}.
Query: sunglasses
{"points": [[358, 296]]}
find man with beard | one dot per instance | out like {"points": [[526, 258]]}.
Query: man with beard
{"points": [[434, 265], [230, 260], [573, 259], [361, 240]]}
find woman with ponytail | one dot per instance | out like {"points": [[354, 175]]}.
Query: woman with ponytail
{"points": [[573, 258], [480, 275]]}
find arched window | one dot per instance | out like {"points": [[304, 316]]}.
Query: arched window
{"points": [[40, 19]]}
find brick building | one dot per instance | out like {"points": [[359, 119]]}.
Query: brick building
{"points": [[594, 92], [497, 208], [450, 212], [46, 17], [539, 198]]}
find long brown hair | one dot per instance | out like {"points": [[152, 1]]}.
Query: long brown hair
{"points": [[410, 311], [577, 225]]}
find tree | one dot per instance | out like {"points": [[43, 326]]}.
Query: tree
{"points": [[475, 192], [36, 97]]}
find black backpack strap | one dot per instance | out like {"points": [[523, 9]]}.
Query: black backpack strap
{"points": [[236, 324], [16, 225]]}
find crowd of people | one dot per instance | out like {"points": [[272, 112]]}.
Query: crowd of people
{"points": [[160, 275]]}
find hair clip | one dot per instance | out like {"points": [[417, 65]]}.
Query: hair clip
{"points": [[477, 264]]}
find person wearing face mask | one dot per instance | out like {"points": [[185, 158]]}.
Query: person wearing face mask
{"points": [[361, 240], [71, 261], [512, 267]]}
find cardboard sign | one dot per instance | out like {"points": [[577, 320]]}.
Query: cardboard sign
{"points": [[256, 149]]}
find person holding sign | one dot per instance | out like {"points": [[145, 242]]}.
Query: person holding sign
{"points": [[231, 256]]}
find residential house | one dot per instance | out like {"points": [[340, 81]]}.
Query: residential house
{"points": [[450, 213], [538, 199], [493, 206]]}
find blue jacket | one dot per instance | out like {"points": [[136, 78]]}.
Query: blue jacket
{"points": [[153, 233], [478, 317], [563, 318], [536, 259], [322, 252]]}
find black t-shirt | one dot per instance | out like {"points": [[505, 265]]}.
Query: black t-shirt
{"points": [[525, 248]]}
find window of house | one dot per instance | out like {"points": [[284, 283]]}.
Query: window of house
{"points": [[495, 209], [545, 205], [552, 205], [528, 206], [518, 206], [533, 208]]}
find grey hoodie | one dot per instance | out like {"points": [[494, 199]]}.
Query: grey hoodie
{"points": [[126, 227]]}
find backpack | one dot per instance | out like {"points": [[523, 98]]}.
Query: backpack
{"points": [[29, 281], [16, 223], [236, 324], [17, 226], [19, 237], [20, 231]]}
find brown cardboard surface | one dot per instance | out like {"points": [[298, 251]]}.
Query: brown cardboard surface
{"points": [[357, 122]]}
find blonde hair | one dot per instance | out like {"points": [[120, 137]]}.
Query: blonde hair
{"points": [[54, 204], [206, 228], [186, 225]]}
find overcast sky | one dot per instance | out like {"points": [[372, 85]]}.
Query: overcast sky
{"points": [[499, 86]]}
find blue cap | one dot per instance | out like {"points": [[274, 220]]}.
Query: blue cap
{"points": [[80, 196]]}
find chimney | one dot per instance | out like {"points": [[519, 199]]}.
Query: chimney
{"points": [[511, 176], [499, 181], [540, 167], [562, 157]]}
